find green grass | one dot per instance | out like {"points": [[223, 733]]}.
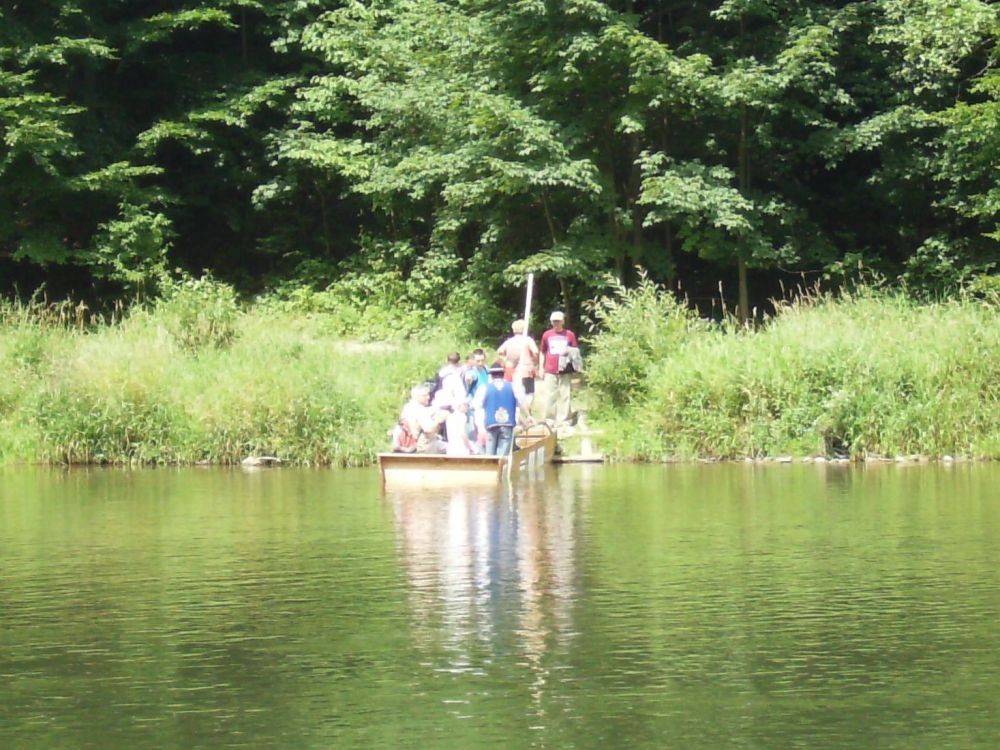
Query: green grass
{"points": [[141, 391], [194, 377], [862, 375]]}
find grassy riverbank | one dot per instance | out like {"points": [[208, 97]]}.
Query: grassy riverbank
{"points": [[862, 375], [197, 379]]}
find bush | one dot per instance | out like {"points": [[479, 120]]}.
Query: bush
{"points": [[198, 313], [78, 426], [859, 375], [387, 292], [635, 329]]}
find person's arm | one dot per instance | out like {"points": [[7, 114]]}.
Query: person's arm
{"points": [[430, 419], [410, 421]]}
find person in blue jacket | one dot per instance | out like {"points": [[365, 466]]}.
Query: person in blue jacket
{"points": [[496, 412]]}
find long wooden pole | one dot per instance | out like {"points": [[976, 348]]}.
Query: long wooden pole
{"points": [[527, 302]]}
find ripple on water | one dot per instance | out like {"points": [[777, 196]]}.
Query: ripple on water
{"points": [[638, 607]]}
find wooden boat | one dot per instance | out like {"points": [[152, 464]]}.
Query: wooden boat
{"points": [[534, 447]]}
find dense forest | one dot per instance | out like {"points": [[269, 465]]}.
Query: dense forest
{"points": [[429, 153]]}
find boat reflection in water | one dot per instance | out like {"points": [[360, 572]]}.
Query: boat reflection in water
{"points": [[492, 571]]}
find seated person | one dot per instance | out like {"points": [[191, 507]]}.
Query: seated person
{"points": [[421, 422]]}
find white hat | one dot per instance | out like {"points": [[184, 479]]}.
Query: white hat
{"points": [[557, 315]]}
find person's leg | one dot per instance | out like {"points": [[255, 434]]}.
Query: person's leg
{"points": [[528, 385], [549, 397], [562, 400], [492, 437], [504, 437], [518, 385], [431, 444]]}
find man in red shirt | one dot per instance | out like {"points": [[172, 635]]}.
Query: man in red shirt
{"points": [[555, 342]]}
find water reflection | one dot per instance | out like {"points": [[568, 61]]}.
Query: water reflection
{"points": [[686, 606], [492, 569]]}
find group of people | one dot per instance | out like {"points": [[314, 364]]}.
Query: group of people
{"points": [[473, 408]]}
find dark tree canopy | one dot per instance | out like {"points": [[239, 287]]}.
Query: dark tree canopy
{"points": [[458, 144]]}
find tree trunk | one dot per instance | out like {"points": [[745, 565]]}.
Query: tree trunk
{"points": [[741, 259], [244, 36], [668, 232], [563, 288], [632, 200], [326, 222], [744, 297]]}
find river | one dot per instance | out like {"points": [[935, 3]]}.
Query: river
{"points": [[690, 606]]}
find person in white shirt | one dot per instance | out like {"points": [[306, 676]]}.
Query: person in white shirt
{"points": [[458, 438], [452, 390], [423, 421], [558, 383]]}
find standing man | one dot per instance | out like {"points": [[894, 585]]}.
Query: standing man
{"points": [[451, 386], [475, 376], [496, 412], [475, 373], [555, 343], [520, 356]]}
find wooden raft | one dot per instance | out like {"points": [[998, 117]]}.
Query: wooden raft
{"points": [[534, 447]]}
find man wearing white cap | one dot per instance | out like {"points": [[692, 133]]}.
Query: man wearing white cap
{"points": [[555, 343]]}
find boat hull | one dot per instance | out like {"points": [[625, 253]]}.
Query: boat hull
{"points": [[534, 449]]}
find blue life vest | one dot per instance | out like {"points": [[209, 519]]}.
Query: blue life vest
{"points": [[475, 378], [500, 405]]}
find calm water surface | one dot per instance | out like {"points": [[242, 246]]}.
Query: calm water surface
{"points": [[674, 607]]}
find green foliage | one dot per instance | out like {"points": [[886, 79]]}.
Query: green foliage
{"points": [[161, 26], [942, 268], [632, 331], [199, 313], [988, 286], [36, 145], [126, 393], [442, 142], [933, 38], [866, 374], [970, 153], [490, 140], [77, 427], [62, 51], [861, 375], [133, 248]]}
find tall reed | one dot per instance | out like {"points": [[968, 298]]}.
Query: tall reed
{"points": [[859, 374], [147, 389]]}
